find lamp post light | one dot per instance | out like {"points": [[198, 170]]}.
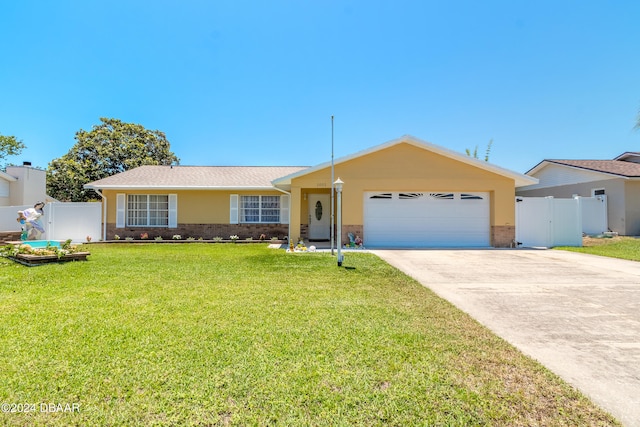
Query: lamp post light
{"points": [[338, 186]]}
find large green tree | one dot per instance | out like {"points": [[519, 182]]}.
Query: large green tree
{"points": [[9, 146], [109, 148]]}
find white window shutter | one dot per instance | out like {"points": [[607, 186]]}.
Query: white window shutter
{"points": [[233, 209], [173, 210], [284, 209], [120, 209]]}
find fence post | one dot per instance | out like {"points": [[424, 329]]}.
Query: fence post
{"points": [[605, 208], [550, 212], [579, 223], [50, 230]]}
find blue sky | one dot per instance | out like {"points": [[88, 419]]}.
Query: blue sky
{"points": [[256, 82]]}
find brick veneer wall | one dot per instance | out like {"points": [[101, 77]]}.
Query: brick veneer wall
{"points": [[502, 236], [346, 229], [206, 231], [356, 230], [304, 232], [8, 236]]}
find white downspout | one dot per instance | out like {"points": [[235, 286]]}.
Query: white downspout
{"points": [[104, 214]]}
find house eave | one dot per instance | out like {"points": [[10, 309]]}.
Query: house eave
{"points": [[179, 187], [8, 177], [626, 155], [537, 168], [283, 187]]}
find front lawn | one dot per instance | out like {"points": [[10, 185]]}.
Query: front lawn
{"points": [[224, 334], [615, 247]]}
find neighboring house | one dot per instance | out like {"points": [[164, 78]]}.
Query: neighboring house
{"points": [[403, 193], [23, 185], [618, 179]]}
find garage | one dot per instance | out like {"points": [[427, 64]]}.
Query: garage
{"points": [[411, 193], [426, 219]]}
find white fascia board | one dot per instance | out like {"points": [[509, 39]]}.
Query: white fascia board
{"points": [[177, 187], [626, 155], [537, 167], [7, 177]]}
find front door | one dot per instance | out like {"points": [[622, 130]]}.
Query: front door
{"points": [[319, 217]]}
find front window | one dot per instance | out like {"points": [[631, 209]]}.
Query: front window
{"points": [[260, 209], [147, 210]]}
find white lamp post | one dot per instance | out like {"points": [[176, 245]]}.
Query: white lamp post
{"points": [[338, 186]]}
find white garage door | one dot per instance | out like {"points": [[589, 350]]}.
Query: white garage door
{"points": [[426, 219]]}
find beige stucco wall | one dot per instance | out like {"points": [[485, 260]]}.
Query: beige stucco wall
{"points": [[194, 206], [402, 167], [632, 207]]}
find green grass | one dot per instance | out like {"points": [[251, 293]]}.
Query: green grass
{"points": [[618, 247], [197, 334]]}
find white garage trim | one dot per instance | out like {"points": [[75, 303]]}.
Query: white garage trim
{"points": [[426, 219]]}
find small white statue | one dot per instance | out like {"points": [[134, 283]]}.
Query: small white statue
{"points": [[32, 223]]}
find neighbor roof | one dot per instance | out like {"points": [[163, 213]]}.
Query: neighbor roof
{"points": [[612, 167], [520, 179], [195, 177], [7, 177], [628, 155]]}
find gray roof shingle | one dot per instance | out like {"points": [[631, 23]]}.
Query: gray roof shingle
{"points": [[203, 177], [616, 167]]}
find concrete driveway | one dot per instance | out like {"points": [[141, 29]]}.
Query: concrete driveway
{"points": [[579, 315]]}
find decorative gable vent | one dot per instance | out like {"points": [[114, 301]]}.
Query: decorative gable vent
{"points": [[442, 196], [410, 195], [464, 196]]}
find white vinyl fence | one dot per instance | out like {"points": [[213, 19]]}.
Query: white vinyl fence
{"points": [[548, 222], [594, 214], [61, 220]]}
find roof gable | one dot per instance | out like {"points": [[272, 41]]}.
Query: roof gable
{"points": [[614, 168], [552, 174], [629, 156], [520, 179]]}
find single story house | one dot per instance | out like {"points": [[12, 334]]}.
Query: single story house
{"points": [[617, 179], [403, 193]]}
